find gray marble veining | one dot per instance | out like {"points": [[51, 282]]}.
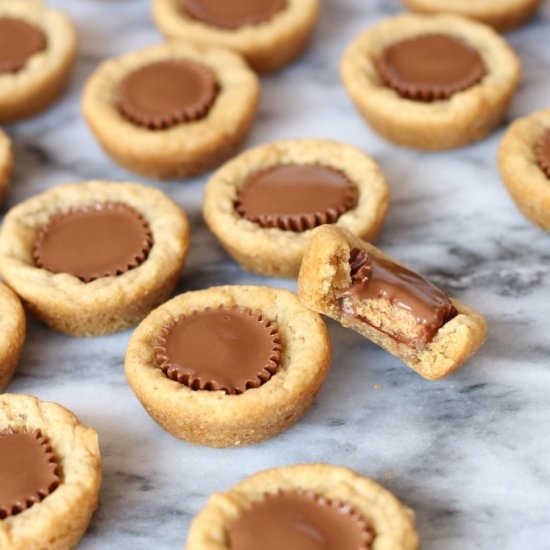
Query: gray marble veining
{"points": [[469, 454]]}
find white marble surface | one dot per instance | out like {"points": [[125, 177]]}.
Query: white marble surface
{"points": [[469, 454]]}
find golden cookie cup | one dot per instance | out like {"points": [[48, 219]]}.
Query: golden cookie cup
{"points": [[526, 182], [13, 327], [108, 304], [46, 74], [60, 520], [393, 522], [267, 46], [214, 418], [325, 273], [503, 16], [273, 251], [464, 118], [186, 149], [6, 164]]}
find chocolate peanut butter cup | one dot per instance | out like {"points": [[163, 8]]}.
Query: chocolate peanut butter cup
{"points": [[29, 471], [232, 14], [542, 153], [222, 349], [19, 41], [430, 67], [298, 520], [295, 197], [166, 93], [104, 240], [375, 278]]}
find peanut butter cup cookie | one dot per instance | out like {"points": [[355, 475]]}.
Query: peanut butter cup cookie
{"points": [[524, 162], [364, 289], [12, 333], [228, 366], [37, 50], [50, 473], [431, 82], [503, 16], [6, 164], [308, 506], [173, 110], [94, 257], [263, 204], [268, 33]]}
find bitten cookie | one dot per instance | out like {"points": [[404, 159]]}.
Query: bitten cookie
{"points": [[503, 16], [431, 82], [37, 52], [313, 506], [12, 333], [524, 163], [173, 110], [263, 204], [359, 286], [50, 473], [95, 257], [230, 365], [268, 33], [6, 164]]}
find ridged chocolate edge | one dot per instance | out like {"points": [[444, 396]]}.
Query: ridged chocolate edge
{"points": [[542, 161]]}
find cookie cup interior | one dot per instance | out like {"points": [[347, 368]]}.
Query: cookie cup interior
{"points": [[392, 522], [267, 46], [465, 117], [185, 149], [108, 304], [44, 76], [59, 521], [12, 329], [325, 274], [273, 251], [214, 418], [526, 182]]}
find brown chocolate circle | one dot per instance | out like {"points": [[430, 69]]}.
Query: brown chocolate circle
{"points": [[299, 521], [28, 471], [104, 240], [19, 41], [166, 93], [542, 153], [226, 349], [430, 67], [232, 14], [295, 197]]}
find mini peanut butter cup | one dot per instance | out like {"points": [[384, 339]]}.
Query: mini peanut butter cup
{"points": [[430, 67], [226, 349], [166, 93], [295, 197], [299, 520], [29, 470], [104, 240], [542, 153], [19, 41], [231, 14]]}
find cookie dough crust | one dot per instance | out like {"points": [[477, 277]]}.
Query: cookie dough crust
{"points": [[6, 164], [519, 170], [44, 77], [185, 149], [60, 520], [503, 16], [12, 333], [267, 46], [466, 117], [214, 418], [325, 274], [273, 251], [393, 522], [108, 304]]}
